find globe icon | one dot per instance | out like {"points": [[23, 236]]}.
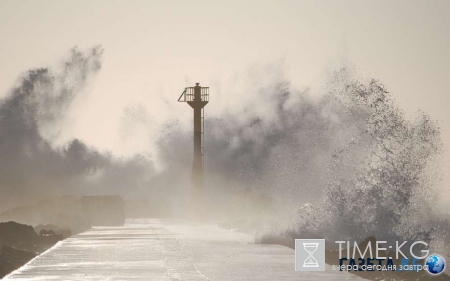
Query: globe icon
{"points": [[435, 264]]}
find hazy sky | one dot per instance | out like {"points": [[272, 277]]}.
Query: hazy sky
{"points": [[153, 49]]}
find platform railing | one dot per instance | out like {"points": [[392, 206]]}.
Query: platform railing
{"points": [[188, 94]]}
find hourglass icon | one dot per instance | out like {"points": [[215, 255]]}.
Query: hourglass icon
{"points": [[310, 248]]}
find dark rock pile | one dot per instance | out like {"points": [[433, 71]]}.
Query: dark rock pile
{"points": [[74, 213], [55, 219], [45, 229], [19, 243]]}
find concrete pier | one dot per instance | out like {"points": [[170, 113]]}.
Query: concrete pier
{"points": [[167, 249]]}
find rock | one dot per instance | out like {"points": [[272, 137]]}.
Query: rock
{"points": [[52, 229], [23, 237], [11, 259], [18, 255], [29, 247], [49, 240], [20, 243], [12, 233], [66, 212], [73, 213], [46, 232]]}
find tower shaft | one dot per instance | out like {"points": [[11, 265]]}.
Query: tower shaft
{"points": [[198, 103], [197, 163]]}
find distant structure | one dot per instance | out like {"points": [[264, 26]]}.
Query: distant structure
{"points": [[104, 210], [197, 97]]}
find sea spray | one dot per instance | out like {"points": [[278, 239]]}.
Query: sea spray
{"points": [[382, 181]]}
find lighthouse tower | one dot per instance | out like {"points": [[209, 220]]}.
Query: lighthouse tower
{"points": [[197, 97]]}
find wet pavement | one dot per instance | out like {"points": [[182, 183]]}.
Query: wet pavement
{"points": [[166, 249]]}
